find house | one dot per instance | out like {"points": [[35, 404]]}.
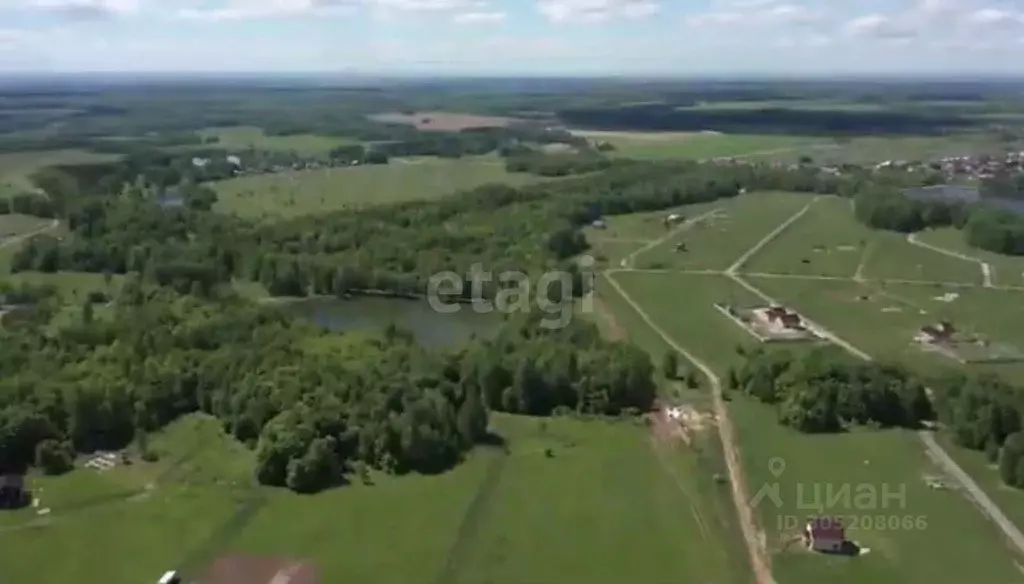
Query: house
{"points": [[234, 160], [598, 224], [778, 315], [200, 162], [825, 534], [939, 333]]}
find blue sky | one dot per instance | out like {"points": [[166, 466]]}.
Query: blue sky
{"points": [[664, 37]]}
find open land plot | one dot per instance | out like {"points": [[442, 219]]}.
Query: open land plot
{"points": [[493, 511], [931, 549], [442, 121], [865, 150], [655, 145], [882, 319], [246, 137], [625, 234], [829, 241], [716, 242], [305, 192], [892, 257], [16, 167], [826, 241], [636, 516], [1006, 270]]}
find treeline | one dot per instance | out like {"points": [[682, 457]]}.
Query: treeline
{"points": [[827, 390], [983, 226], [669, 117], [529, 229], [316, 406], [984, 413]]}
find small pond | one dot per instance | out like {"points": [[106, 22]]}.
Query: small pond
{"points": [[431, 328]]}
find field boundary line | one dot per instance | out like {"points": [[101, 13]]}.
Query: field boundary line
{"points": [[986, 268], [977, 494], [628, 261], [471, 518], [743, 259], [760, 561]]}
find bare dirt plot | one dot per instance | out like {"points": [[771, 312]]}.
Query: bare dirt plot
{"points": [[443, 121], [258, 570]]}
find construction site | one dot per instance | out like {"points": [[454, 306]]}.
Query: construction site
{"points": [[770, 324], [946, 339]]}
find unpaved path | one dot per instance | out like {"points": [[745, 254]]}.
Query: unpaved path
{"points": [[743, 259], [629, 260], [752, 534], [987, 506], [20, 238], [984, 503], [986, 269]]}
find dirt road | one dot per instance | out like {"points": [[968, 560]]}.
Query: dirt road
{"points": [[752, 534], [987, 506], [986, 269], [20, 238]]}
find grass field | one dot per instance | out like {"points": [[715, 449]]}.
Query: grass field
{"points": [[15, 167], [604, 508], [864, 150], [661, 145], [1006, 270], [828, 241], [245, 137], [715, 243], [932, 550], [313, 191]]}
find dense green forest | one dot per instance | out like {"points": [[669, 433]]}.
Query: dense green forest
{"points": [[316, 406], [827, 389]]}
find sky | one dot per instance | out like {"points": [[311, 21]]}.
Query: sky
{"points": [[516, 37]]}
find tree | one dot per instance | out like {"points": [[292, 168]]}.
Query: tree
{"points": [[670, 365], [55, 457], [1010, 457]]}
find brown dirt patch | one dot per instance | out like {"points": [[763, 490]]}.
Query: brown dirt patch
{"points": [[258, 570], [443, 121]]}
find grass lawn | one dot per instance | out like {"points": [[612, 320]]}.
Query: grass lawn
{"points": [[15, 167], [827, 237], [604, 508], [833, 243], [315, 191], [661, 145], [1006, 270], [246, 137], [891, 257], [953, 541], [715, 243]]}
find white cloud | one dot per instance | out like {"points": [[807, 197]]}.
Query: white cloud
{"points": [[879, 26], [85, 9], [479, 17], [995, 17], [596, 10], [758, 13]]}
